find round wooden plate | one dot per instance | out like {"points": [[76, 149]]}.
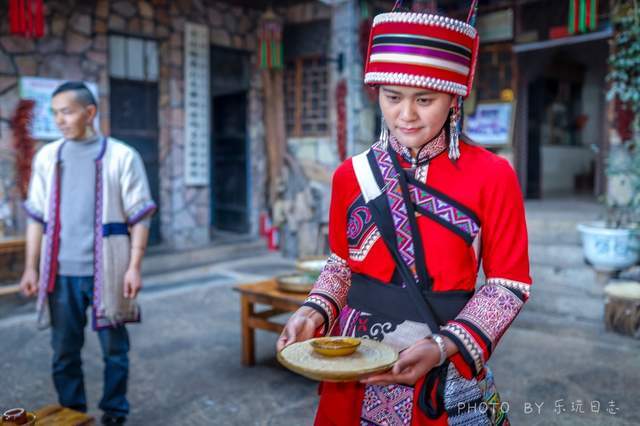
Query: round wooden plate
{"points": [[296, 283], [312, 265], [370, 357]]}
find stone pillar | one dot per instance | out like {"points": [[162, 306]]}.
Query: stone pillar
{"points": [[345, 43], [360, 112]]}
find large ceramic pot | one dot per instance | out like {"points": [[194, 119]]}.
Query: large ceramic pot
{"points": [[609, 249]]}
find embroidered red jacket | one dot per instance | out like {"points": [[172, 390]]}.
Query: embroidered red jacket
{"points": [[487, 185]]}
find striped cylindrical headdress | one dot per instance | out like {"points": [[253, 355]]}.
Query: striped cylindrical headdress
{"points": [[422, 50]]}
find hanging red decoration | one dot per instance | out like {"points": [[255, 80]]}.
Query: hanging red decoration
{"points": [[583, 16], [341, 114], [23, 144], [270, 41], [26, 18], [623, 120]]}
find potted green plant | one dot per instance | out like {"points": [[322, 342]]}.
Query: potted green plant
{"points": [[614, 243]]}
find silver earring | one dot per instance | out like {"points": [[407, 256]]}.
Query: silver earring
{"points": [[384, 133], [454, 143]]}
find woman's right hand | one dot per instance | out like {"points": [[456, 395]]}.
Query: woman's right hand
{"points": [[300, 327]]}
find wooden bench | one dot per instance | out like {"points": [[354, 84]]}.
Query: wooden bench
{"points": [[277, 302], [55, 415]]}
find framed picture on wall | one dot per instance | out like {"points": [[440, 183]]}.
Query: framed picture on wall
{"points": [[491, 124]]}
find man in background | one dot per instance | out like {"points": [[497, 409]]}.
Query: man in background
{"points": [[89, 206]]}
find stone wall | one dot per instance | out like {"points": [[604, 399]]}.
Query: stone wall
{"points": [[75, 46], [302, 207]]}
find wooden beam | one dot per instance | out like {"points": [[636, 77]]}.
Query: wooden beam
{"points": [[6, 290], [269, 313], [13, 245], [262, 324]]}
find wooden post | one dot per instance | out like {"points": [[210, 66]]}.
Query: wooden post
{"points": [[622, 308], [297, 130]]}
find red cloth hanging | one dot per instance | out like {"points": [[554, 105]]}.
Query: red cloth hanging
{"points": [[26, 18], [39, 19], [23, 144], [13, 16]]}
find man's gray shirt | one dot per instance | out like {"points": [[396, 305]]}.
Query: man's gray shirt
{"points": [[77, 206]]}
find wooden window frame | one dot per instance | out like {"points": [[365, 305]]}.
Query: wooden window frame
{"points": [[296, 66]]}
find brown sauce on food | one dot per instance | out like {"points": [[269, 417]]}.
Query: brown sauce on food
{"points": [[336, 343]]}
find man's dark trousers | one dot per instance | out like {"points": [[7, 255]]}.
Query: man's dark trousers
{"points": [[68, 304]]}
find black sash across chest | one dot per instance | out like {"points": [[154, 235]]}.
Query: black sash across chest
{"points": [[410, 295], [393, 197]]}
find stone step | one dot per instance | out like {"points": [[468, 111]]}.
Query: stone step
{"points": [[565, 293], [556, 254], [565, 209], [574, 305], [171, 261], [568, 279], [168, 262], [240, 268], [556, 221], [559, 325], [553, 231], [570, 292]]}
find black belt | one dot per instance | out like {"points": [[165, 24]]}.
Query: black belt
{"points": [[393, 301]]}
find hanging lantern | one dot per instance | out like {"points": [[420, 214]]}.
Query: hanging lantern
{"points": [[270, 41], [583, 16], [26, 18]]}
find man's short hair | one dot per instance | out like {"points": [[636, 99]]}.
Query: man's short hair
{"points": [[83, 94]]}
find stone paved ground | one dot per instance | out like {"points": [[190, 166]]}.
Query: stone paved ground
{"points": [[185, 362]]}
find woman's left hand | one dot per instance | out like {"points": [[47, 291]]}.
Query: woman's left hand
{"points": [[413, 363]]}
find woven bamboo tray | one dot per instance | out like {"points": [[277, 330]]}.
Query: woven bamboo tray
{"points": [[371, 357]]}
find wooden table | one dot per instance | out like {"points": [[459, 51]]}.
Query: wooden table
{"points": [[11, 244], [277, 302], [11, 263], [54, 415]]}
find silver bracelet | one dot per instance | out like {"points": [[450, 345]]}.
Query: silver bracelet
{"points": [[441, 346]]}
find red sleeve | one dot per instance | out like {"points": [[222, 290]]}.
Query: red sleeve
{"points": [[329, 294], [504, 230], [480, 325], [342, 179]]}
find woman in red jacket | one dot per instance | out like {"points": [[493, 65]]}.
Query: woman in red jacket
{"points": [[411, 221]]}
